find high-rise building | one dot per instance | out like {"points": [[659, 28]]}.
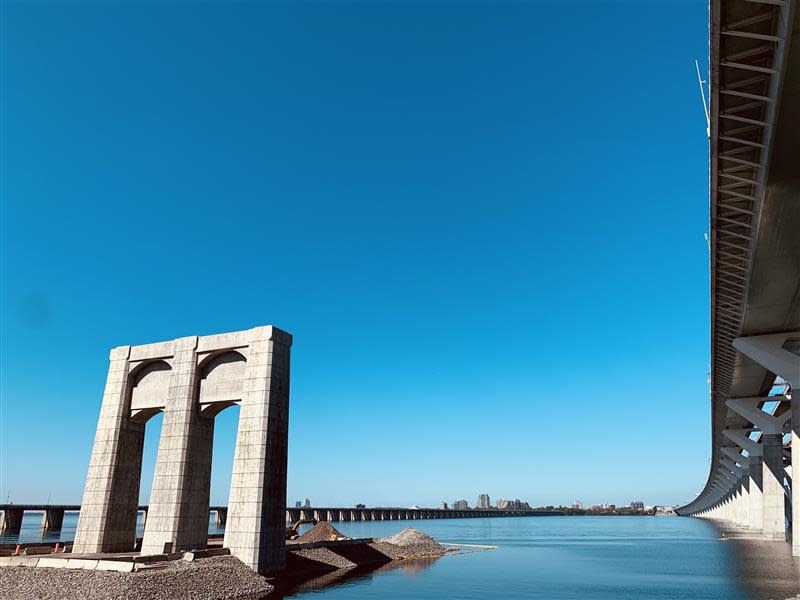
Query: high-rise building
{"points": [[484, 501], [298, 504], [443, 505], [637, 505], [307, 503], [460, 505], [517, 504]]}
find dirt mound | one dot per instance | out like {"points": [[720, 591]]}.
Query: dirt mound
{"points": [[322, 532], [409, 537]]}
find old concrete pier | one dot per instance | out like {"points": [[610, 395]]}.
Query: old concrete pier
{"points": [[191, 380]]}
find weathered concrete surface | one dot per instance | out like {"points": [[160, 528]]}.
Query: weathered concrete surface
{"points": [[191, 380]]}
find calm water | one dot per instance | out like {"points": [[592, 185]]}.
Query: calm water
{"points": [[552, 558]]}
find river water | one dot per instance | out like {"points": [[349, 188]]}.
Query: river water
{"points": [[548, 558]]}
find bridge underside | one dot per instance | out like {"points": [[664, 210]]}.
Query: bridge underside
{"points": [[755, 265]]}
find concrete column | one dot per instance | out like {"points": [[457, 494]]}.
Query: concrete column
{"points": [[179, 499], [107, 521], [756, 485], [744, 492], [774, 527], [795, 474], [220, 517], [144, 519], [255, 533], [12, 521], [52, 520]]}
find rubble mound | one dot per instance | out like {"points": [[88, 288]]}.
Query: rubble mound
{"points": [[413, 542], [322, 532]]}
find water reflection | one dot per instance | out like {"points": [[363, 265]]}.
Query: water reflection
{"points": [[766, 569], [290, 587]]}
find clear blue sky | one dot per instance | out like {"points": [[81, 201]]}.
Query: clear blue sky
{"points": [[482, 221]]}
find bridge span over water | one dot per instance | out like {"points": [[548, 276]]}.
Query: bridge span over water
{"points": [[52, 515], [755, 268]]}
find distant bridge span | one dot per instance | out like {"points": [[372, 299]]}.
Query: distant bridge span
{"points": [[53, 514]]}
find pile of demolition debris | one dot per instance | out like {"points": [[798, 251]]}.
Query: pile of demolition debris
{"points": [[411, 543], [322, 532]]}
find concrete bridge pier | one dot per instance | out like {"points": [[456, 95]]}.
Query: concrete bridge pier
{"points": [[756, 486], [772, 490], [179, 498], [12, 521], [220, 517], [773, 352], [774, 527], [52, 520]]}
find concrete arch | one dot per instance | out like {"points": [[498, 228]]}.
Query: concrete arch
{"points": [[220, 381], [149, 387]]}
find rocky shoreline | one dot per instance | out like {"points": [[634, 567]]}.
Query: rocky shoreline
{"points": [[214, 578]]}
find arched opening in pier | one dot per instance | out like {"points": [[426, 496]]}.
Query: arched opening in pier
{"points": [[148, 395], [226, 425], [152, 437], [219, 396]]}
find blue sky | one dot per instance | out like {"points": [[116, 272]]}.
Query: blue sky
{"points": [[481, 221]]}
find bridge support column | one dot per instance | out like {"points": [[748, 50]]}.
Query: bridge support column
{"points": [[772, 352], [179, 499], [774, 527], [107, 521], [795, 458], [256, 531], [52, 520], [220, 517], [12, 521], [755, 487]]}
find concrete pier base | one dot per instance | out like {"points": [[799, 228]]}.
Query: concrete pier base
{"points": [[52, 520], [11, 523]]}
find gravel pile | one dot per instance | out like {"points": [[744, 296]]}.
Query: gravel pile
{"points": [[410, 543], [204, 579], [319, 555], [322, 532]]}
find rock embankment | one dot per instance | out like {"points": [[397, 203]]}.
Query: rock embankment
{"points": [[217, 578]]}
